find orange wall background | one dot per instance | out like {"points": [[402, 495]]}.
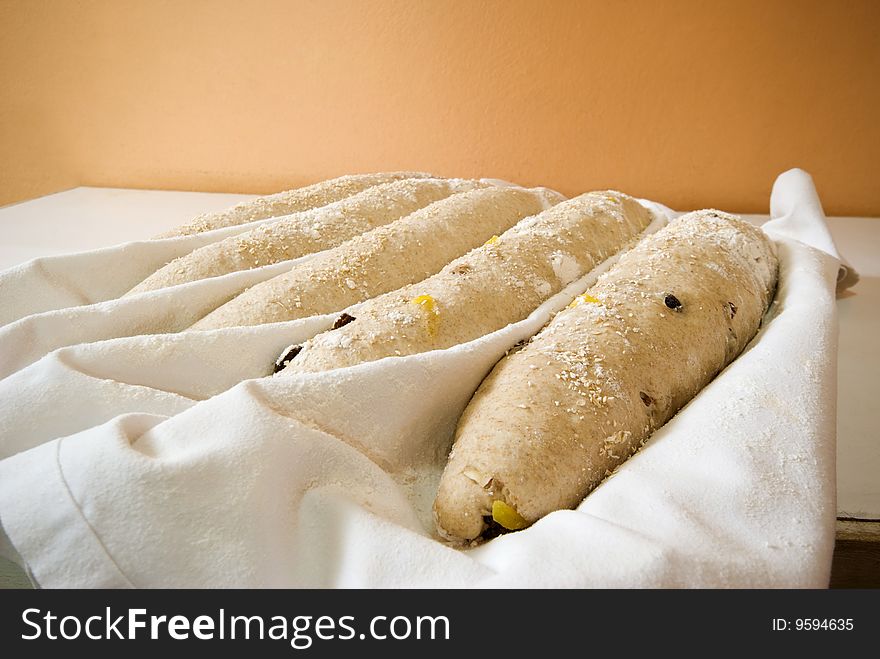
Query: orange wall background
{"points": [[688, 102]]}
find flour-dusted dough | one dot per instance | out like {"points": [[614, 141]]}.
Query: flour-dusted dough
{"points": [[384, 259], [554, 418], [486, 289], [306, 232], [288, 202]]}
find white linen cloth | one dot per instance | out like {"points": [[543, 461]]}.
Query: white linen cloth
{"points": [[132, 459]]}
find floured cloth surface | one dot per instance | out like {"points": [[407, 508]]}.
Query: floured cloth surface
{"points": [[136, 456]]}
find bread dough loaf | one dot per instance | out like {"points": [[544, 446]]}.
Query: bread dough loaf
{"points": [[486, 289], [554, 418], [304, 233], [288, 202], [381, 260]]}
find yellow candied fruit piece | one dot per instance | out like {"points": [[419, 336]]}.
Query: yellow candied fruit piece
{"points": [[607, 196], [491, 241], [427, 302], [580, 299], [429, 305], [507, 516]]}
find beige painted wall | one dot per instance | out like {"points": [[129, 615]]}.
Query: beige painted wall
{"points": [[686, 101]]}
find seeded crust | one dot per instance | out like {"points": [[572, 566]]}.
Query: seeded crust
{"points": [[403, 252], [553, 419], [290, 201], [487, 288], [306, 232]]}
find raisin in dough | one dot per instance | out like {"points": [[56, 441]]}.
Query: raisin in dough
{"points": [[288, 202], [486, 289], [553, 419], [306, 232], [384, 259]]}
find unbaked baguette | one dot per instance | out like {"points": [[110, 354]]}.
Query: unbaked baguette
{"points": [[554, 418], [288, 202], [306, 232], [384, 259], [484, 290]]}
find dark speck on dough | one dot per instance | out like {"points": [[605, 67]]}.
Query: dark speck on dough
{"points": [[493, 529], [516, 347], [285, 359], [646, 399], [672, 302], [342, 321], [731, 309]]}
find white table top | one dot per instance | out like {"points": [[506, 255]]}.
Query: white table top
{"points": [[87, 218]]}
